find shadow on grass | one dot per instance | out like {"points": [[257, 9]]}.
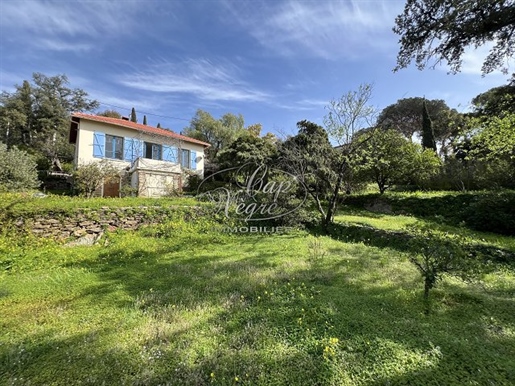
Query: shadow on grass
{"points": [[239, 312], [406, 242]]}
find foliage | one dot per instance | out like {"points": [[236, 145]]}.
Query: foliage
{"points": [[88, 178], [248, 148], [310, 157], [496, 102], [495, 139], [17, 169], [405, 116], [428, 136], [219, 133], [346, 116], [133, 117], [442, 29], [37, 115], [483, 211], [387, 158], [182, 304], [436, 257], [110, 114], [493, 213]]}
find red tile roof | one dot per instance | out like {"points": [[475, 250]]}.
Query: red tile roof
{"points": [[138, 127]]}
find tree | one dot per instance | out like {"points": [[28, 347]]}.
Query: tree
{"points": [[217, 132], [495, 139], [158, 125], [345, 118], [428, 136], [37, 115], [442, 29], [110, 114], [404, 116], [496, 102], [133, 117], [17, 169], [144, 119], [387, 158], [311, 158], [255, 129], [247, 149]]}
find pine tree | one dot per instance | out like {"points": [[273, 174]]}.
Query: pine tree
{"points": [[428, 135], [133, 116], [144, 119]]}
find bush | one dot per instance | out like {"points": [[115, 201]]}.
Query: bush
{"points": [[18, 170], [90, 177], [492, 213]]}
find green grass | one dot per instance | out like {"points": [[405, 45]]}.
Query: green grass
{"points": [[180, 304], [19, 204]]}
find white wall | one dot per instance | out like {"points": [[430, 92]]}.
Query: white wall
{"points": [[84, 150]]}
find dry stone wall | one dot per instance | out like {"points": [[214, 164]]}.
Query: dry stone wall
{"points": [[96, 221]]}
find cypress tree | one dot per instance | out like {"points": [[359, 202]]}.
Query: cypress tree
{"points": [[144, 119], [158, 125], [428, 135], [133, 116]]}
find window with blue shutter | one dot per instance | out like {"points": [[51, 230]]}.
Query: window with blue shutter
{"points": [[113, 147], [193, 160], [99, 141]]}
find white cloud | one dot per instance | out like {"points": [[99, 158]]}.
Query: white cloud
{"points": [[327, 29], [53, 24], [201, 78]]}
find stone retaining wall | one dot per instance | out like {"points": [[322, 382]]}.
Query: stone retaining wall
{"points": [[95, 221]]}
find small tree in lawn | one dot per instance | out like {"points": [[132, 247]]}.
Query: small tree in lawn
{"points": [[436, 256], [428, 135], [90, 177], [346, 116]]}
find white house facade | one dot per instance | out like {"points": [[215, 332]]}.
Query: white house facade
{"points": [[152, 161]]}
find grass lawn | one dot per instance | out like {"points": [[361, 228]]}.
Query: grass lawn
{"points": [[179, 304]]}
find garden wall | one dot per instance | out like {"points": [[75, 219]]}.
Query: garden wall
{"points": [[63, 226]]}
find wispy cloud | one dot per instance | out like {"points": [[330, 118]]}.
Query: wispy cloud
{"points": [[200, 77], [53, 24], [327, 29]]}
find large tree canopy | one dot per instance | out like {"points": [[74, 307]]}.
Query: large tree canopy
{"points": [[443, 29], [219, 133], [36, 115], [496, 102]]}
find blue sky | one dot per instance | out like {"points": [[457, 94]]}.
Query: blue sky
{"points": [[274, 61]]}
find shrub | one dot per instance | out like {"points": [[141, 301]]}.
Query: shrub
{"points": [[436, 254], [492, 213], [17, 170], [90, 177]]}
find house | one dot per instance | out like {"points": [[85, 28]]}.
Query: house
{"points": [[152, 161]]}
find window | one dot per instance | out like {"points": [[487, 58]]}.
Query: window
{"points": [[153, 151], [114, 147], [185, 158]]}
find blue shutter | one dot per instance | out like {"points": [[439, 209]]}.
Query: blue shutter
{"points": [[137, 149], [193, 159], [175, 155], [170, 154], [99, 144], [167, 153], [128, 150]]}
